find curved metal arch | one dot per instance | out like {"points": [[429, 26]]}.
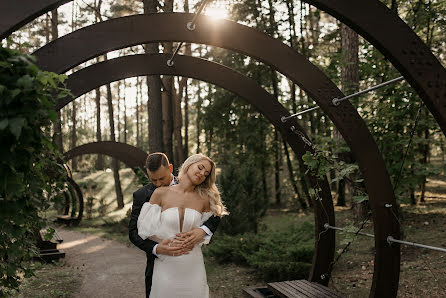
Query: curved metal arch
{"points": [[80, 197], [99, 74], [70, 50], [17, 13], [128, 154], [383, 28], [372, 19]]}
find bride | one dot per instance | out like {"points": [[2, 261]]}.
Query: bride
{"points": [[177, 209]]}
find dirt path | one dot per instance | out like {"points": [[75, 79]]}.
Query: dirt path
{"points": [[109, 268]]}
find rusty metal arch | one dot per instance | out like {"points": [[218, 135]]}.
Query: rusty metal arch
{"points": [[70, 50], [128, 154], [17, 13], [99, 74]]}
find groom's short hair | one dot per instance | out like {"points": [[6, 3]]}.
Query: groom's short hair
{"points": [[155, 160]]}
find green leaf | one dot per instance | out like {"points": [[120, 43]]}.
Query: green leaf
{"points": [[49, 234], [16, 125], [26, 81], [360, 199], [3, 124], [15, 92], [52, 115], [4, 64]]}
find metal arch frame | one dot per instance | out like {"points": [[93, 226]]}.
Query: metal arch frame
{"points": [[372, 19], [78, 191], [128, 154], [96, 75], [17, 13], [383, 28], [69, 51]]}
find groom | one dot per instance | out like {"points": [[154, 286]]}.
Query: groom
{"points": [[160, 174]]}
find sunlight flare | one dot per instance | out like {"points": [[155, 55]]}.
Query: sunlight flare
{"points": [[216, 12]]}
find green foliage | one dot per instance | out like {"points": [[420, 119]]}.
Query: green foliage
{"points": [[141, 177], [278, 255], [29, 172], [321, 164], [242, 196]]}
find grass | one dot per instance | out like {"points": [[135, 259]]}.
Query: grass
{"points": [[422, 271], [50, 280]]}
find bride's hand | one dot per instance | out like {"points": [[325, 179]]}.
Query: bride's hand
{"points": [[189, 239], [170, 247]]}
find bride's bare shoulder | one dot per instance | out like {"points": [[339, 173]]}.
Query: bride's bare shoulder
{"points": [[158, 194]]}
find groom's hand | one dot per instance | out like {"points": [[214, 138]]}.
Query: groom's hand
{"points": [[171, 248], [189, 239]]}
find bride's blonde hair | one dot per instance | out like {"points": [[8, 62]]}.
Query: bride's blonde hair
{"points": [[207, 188]]}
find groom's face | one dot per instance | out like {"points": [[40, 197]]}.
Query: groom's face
{"points": [[162, 176]]}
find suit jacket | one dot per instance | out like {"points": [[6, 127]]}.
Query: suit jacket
{"points": [[141, 196]]}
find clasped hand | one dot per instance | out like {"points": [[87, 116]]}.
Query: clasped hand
{"points": [[182, 244]]}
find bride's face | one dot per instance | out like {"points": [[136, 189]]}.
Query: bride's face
{"points": [[198, 171]]}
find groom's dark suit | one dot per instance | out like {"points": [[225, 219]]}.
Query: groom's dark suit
{"points": [[141, 196]]}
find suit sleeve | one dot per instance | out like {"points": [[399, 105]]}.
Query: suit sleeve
{"points": [[139, 198], [212, 223]]}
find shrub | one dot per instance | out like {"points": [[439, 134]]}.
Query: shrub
{"points": [[242, 195], [275, 256], [28, 165]]}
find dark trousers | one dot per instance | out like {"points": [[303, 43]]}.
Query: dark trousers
{"points": [[149, 274]]}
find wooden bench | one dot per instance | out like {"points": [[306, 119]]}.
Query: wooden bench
{"points": [[302, 289], [67, 220], [259, 292], [48, 248]]}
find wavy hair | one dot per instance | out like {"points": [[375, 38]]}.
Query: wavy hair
{"points": [[207, 188]]}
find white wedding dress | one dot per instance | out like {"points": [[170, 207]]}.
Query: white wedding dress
{"points": [[179, 276]]}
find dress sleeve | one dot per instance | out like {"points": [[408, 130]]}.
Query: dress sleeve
{"points": [[149, 221]]}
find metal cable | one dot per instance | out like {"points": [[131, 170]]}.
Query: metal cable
{"points": [[337, 101], [190, 26]]}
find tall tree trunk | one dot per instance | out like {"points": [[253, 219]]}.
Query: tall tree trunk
{"points": [[186, 98], [299, 195], [138, 140], [210, 134], [178, 123], [277, 168], [154, 105], [73, 134], [425, 148], [169, 102], [115, 163], [118, 114], [197, 125], [186, 123], [277, 143], [125, 115], [100, 160], [350, 84], [167, 122], [47, 28], [58, 124], [263, 167]]}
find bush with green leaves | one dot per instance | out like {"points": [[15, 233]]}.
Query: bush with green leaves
{"points": [[242, 196], [276, 255], [30, 175]]}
